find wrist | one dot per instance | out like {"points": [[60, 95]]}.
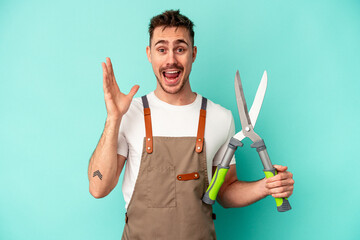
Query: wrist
{"points": [[112, 124], [113, 120]]}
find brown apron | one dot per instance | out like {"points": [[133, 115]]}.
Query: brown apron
{"points": [[166, 202]]}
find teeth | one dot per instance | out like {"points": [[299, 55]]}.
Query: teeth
{"points": [[172, 72]]}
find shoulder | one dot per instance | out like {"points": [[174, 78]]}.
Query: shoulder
{"points": [[136, 106], [134, 112], [218, 112]]}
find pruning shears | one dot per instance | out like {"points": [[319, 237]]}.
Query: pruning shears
{"points": [[248, 120]]}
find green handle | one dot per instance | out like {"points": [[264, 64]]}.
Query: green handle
{"points": [[282, 204], [220, 173], [215, 184]]}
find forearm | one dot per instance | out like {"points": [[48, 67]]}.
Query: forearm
{"points": [[241, 194], [103, 163]]}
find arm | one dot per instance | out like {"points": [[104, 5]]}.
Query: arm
{"points": [[235, 193], [105, 164]]}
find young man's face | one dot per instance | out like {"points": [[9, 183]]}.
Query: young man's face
{"points": [[171, 54]]}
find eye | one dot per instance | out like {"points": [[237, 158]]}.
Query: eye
{"points": [[162, 50], [180, 50]]}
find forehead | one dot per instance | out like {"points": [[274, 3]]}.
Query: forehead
{"points": [[170, 34]]}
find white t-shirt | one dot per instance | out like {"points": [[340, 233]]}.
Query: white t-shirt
{"points": [[172, 121]]}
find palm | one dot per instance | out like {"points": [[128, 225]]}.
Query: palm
{"points": [[117, 103]]}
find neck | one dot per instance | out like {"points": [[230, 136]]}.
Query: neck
{"points": [[183, 97]]}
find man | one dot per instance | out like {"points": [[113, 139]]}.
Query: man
{"points": [[172, 150]]}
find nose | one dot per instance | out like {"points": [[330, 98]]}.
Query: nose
{"points": [[171, 58]]}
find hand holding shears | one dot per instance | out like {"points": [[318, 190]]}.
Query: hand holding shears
{"points": [[248, 120]]}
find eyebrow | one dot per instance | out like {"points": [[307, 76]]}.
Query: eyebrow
{"points": [[167, 42], [161, 41], [181, 41]]}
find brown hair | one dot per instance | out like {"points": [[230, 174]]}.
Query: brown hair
{"points": [[171, 18]]}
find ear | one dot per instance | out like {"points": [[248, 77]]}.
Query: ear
{"points": [[194, 53], [148, 53]]}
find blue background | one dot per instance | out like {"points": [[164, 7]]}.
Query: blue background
{"points": [[53, 111]]}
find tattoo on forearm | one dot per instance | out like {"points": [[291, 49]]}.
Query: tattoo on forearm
{"points": [[97, 173]]}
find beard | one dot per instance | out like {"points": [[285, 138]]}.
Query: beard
{"points": [[174, 89]]}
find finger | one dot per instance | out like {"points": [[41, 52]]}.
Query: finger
{"points": [[106, 81], [133, 91], [282, 195], [105, 74], [280, 176], [280, 190], [280, 168], [286, 182], [110, 69], [103, 65]]}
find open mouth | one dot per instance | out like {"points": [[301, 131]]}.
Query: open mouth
{"points": [[171, 76]]}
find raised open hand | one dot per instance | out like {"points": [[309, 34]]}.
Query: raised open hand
{"points": [[117, 103]]}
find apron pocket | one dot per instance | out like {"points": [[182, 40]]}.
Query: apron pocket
{"points": [[161, 187]]}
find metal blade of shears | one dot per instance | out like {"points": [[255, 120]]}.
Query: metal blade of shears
{"points": [[257, 103], [241, 102]]}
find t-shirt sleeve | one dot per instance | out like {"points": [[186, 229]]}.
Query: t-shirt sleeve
{"points": [[122, 146], [219, 155]]}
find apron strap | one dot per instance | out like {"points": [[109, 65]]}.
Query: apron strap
{"points": [[148, 127], [201, 127]]}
